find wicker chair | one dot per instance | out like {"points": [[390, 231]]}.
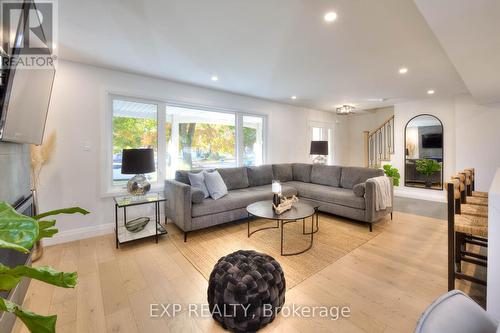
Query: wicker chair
{"points": [[471, 173], [463, 229], [467, 207]]}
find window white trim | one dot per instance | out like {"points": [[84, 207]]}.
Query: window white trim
{"points": [[328, 134], [107, 187]]}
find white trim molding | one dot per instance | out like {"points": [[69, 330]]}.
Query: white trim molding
{"points": [[80, 233]]}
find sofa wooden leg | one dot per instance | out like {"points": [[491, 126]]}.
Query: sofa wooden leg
{"points": [[391, 216], [185, 236], [370, 226]]}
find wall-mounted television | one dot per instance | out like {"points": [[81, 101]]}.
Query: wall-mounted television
{"points": [[432, 140], [25, 92]]}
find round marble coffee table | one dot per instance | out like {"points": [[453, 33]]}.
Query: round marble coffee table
{"points": [[299, 211]]}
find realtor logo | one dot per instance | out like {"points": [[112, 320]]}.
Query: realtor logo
{"points": [[28, 33]]}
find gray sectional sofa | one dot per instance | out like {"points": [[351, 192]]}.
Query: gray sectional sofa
{"points": [[344, 191]]}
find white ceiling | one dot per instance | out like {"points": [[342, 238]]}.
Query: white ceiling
{"points": [[268, 49], [469, 31]]}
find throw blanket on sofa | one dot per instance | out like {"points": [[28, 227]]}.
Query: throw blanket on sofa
{"points": [[382, 192]]}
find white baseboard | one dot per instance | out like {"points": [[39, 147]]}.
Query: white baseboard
{"points": [[80, 233]]}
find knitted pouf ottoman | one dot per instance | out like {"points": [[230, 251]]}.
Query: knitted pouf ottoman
{"points": [[246, 290]]}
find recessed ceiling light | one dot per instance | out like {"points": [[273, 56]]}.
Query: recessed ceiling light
{"points": [[293, 97], [403, 70], [215, 78], [430, 92], [330, 16]]}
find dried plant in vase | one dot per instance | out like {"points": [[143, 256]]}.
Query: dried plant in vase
{"points": [[286, 204], [40, 156]]}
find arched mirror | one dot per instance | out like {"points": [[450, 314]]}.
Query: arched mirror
{"points": [[424, 152]]}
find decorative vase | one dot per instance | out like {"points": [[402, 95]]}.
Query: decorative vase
{"points": [[276, 189], [428, 183], [276, 199], [137, 224]]}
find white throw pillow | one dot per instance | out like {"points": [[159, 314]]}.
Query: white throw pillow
{"points": [[215, 185], [197, 180]]}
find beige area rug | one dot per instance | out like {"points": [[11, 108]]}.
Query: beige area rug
{"points": [[336, 238]]}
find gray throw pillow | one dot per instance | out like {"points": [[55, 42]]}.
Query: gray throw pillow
{"points": [[359, 189], [197, 195], [215, 185], [197, 180]]}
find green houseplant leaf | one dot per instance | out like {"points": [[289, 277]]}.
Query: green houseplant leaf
{"points": [[19, 232], [17, 229], [71, 210], [34, 322], [10, 277], [392, 172], [427, 167], [46, 229], [12, 246]]}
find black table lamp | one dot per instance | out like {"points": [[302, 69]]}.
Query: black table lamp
{"points": [[319, 148], [138, 162]]}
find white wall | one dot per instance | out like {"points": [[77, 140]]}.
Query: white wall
{"points": [[470, 135], [78, 106], [403, 112], [358, 123], [477, 139]]}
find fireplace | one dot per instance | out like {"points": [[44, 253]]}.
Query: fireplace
{"points": [[13, 258]]}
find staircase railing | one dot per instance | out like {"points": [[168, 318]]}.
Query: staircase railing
{"points": [[379, 144]]}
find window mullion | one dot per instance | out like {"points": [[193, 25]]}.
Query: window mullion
{"points": [[239, 139], [162, 146]]}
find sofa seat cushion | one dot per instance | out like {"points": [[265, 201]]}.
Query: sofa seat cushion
{"points": [[237, 199], [329, 194]]}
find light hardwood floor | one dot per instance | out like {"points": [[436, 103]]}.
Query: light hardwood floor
{"points": [[387, 283]]}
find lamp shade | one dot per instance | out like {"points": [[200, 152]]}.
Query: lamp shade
{"points": [[138, 161], [319, 148]]}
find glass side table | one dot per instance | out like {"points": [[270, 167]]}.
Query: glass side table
{"points": [[152, 229]]}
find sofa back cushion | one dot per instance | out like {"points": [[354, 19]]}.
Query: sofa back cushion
{"points": [[234, 178], [326, 175], [282, 172], [260, 175], [355, 175], [182, 175], [302, 172]]}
